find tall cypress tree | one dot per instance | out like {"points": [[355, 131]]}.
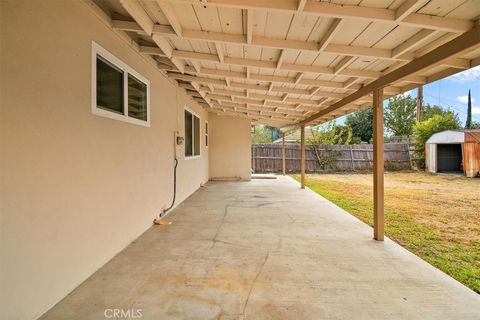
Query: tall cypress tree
{"points": [[468, 123]]}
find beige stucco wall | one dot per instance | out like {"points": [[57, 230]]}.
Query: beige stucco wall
{"points": [[75, 188], [230, 147]]}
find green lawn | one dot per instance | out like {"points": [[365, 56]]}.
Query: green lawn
{"points": [[437, 217]]}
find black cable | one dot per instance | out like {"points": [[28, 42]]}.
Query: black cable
{"points": [[174, 186]]}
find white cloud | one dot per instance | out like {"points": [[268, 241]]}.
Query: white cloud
{"points": [[476, 110], [406, 94], [468, 75], [464, 99]]}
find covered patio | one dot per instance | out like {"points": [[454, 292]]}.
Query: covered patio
{"points": [[113, 112], [266, 249]]}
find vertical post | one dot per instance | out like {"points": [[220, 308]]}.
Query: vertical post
{"points": [[302, 156], [351, 156], [378, 166], [419, 102], [283, 154]]}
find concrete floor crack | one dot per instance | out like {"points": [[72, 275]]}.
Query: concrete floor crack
{"points": [[214, 239], [253, 285]]}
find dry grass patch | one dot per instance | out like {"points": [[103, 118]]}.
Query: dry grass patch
{"points": [[435, 216]]}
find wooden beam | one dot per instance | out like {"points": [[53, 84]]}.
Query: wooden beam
{"points": [[419, 103], [437, 23], [127, 26], [239, 85], [152, 50], [343, 64], [283, 154], [378, 166], [301, 5], [334, 10], [170, 15], [398, 53], [277, 79], [449, 50], [220, 54], [265, 42], [249, 26], [331, 32], [280, 59], [280, 90], [302, 156], [188, 55], [408, 7], [299, 77], [137, 12], [196, 65], [323, 45], [414, 41]]}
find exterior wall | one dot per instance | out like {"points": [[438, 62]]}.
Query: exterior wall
{"points": [[76, 188], [230, 151], [431, 157], [471, 159]]}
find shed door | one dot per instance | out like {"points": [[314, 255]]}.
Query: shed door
{"points": [[449, 157]]}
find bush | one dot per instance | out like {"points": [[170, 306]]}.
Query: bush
{"points": [[422, 131]]}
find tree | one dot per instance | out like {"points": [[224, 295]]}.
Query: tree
{"points": [[429, 111], [422, 131], [468, 123], [326, 135], [361, 123], [329, 134], [475, 125], [400, 115], [265, 134]]}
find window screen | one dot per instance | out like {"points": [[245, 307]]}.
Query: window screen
{"points": [[192, 134], [206, 134], [137, 98], [119, 92], [196, 135], [109, 86], [188, 134]]}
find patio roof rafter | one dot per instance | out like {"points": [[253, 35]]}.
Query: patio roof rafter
{"points": [[464, 42], [243, 54], [401, 16], [147, 25], [268, 65], [399, 53]]}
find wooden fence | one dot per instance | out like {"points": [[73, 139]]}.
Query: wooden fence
{"points": [[267, 158]]}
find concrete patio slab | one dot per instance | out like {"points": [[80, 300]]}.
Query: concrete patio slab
{"points": [[266, 250]]}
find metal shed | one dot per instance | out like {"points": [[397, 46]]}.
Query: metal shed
{"points": [[454, 151]]}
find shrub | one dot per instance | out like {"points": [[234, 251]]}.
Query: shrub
{"points": [[422, 131]]}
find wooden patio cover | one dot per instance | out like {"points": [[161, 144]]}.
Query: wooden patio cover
{"points": [[288, 62]]}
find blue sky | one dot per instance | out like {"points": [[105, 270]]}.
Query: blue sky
{"points": [[452, 92]]}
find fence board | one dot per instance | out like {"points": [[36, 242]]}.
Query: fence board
{"points": [[267, 158]]}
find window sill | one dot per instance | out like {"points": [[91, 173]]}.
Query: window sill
{"points": [[120, 117], [192, 157]]}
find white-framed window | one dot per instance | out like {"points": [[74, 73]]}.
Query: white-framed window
{"points": [[118, 91], [206, 134], [192, 134]]}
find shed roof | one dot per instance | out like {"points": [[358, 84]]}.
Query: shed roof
{"points": [[286, 62], [455, 136]]}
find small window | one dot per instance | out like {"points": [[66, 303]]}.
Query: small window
{"points": [[206, 134], [118, 91], [137, 98], [192, 134], [109, 86]]}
